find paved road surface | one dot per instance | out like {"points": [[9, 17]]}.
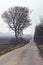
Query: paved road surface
{"points": [[27, 55]]}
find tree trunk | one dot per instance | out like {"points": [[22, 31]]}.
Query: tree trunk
{"points": [[16, 36]]}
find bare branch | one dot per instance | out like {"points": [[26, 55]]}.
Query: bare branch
{"points": [[17, 18]]}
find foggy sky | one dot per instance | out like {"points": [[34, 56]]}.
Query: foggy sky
{"points": [[35, 5]]}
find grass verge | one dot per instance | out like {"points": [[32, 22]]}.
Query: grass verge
{"points": [[12, 48]]}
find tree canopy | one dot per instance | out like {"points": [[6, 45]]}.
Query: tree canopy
{"points": [[17, 19]]}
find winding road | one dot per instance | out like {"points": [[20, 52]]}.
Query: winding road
{"points": [[26, 55]]}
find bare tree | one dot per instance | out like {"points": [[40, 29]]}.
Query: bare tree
{"points": [[17, 19]]}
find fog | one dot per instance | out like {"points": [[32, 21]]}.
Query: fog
{"points": [[35, 5]]}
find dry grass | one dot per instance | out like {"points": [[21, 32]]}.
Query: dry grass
{"points": [[11, 48], [40, 47]]}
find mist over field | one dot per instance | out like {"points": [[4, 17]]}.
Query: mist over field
{"points": [[8, 40], [7, 37]]}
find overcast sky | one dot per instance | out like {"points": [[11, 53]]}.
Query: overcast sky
{"points": [[35, 5]]}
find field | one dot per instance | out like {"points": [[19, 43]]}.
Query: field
{"points": [[9, 43]]}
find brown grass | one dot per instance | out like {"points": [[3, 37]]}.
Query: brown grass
{"points": [[40, 47], [11, 48]]}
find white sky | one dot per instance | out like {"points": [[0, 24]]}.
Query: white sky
{"points": [[35, 5]]}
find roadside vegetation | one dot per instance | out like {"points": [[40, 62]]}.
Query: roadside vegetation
{"points": [[38, 37]]}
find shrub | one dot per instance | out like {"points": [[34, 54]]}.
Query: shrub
{"points": [[38, 36]]}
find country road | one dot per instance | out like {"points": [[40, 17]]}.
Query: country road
{"points": [[26, 55]]}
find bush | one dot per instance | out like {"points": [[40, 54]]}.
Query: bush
{"points": [[38, 36]]}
